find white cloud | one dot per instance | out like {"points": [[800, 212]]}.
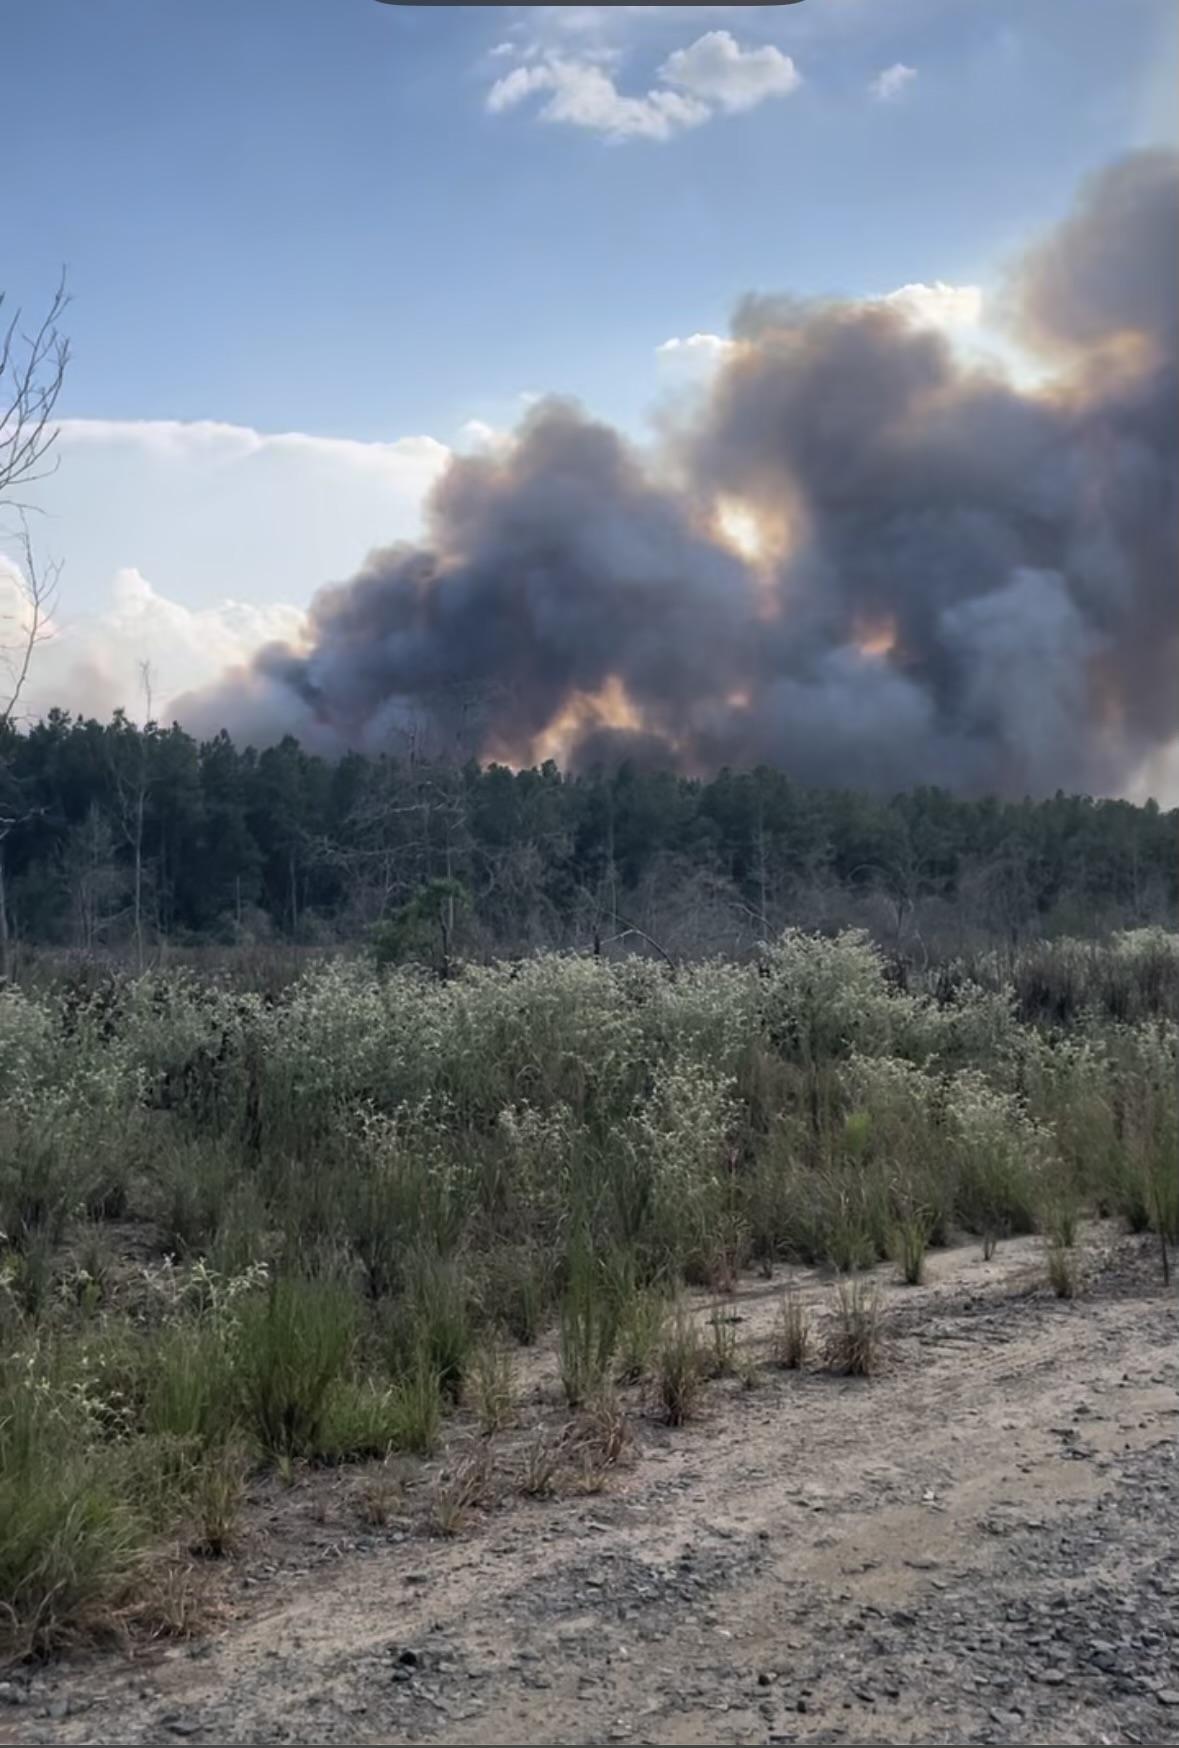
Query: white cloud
{"points": [[406, 461], [476, 436], [701, 349], [515, 86], [958, 309], [92, 662], [713, 75], [716, 69], [584, 95], [892, 82], [214, 514], [939, 305]]}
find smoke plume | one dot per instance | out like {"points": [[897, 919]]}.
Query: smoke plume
{"points": [[864, 560]]}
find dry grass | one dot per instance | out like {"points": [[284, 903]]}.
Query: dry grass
{"points": [[491, 1387], [910, 1241], [790, 1339], [680, 1371], [460, 1487], [1062, 1270], [854, 1344], [543, 1456]]}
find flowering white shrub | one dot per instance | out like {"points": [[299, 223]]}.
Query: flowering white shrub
{"points": [[824, 999]]}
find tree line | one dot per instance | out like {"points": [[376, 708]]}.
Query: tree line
{"points": [[119, 835]]}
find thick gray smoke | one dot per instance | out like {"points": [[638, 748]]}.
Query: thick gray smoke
{"points": [[955, 579]]}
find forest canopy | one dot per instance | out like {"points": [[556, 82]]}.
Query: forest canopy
{"points": [[118, 834]]}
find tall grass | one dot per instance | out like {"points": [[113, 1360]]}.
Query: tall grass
{"points": [[293, 1344], [589, 1323], [70, 1545]]}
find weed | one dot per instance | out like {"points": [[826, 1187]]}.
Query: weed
{"points": [[542, 1461], [722, 1345], [457, 1491], [1063, 1273], [680, 1372], [641, 1322], [218, 1490], [517, 1291], [910, 1241], [440, 1321], [415, 1410], [589, 1325], [747, 1369], [491, 1387], [1059, 1219], [604, 1428], [189, 1390], [378, 1496], [790, 1339], [854, 1340], [69, 1545], [293, 1343]]}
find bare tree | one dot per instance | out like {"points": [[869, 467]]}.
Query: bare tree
{"points": [[26, 617], [32, 370]]}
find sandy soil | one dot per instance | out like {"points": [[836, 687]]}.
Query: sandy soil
{"points": [[976, 1546]]}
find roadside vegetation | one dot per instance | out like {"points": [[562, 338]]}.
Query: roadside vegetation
{"points": [[243, 1232]]}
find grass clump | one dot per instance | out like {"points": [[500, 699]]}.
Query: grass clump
{"points": [[722, 1343], [1062, 1270], [218, 1493], [294, 1343], [791, 1334], [542, 1461], [589, 1324], [680, 1370], [457, 1491], [436, 1317], [910, 1241], [491, 1387], [70, 1544], [854, 1340], [414, 1408], [641, 1322]]}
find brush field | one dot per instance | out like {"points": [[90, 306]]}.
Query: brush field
{"points": [[563, 1347]]}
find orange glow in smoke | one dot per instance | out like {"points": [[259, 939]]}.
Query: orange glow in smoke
{"points": [[740, 699], [875, 638], [739, 527], [760, 541], [609, 707]]}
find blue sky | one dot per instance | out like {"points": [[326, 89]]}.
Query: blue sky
{"points": [[314, 217]]}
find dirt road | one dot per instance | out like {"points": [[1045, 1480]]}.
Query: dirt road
{"points": [[977, 1546]]}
